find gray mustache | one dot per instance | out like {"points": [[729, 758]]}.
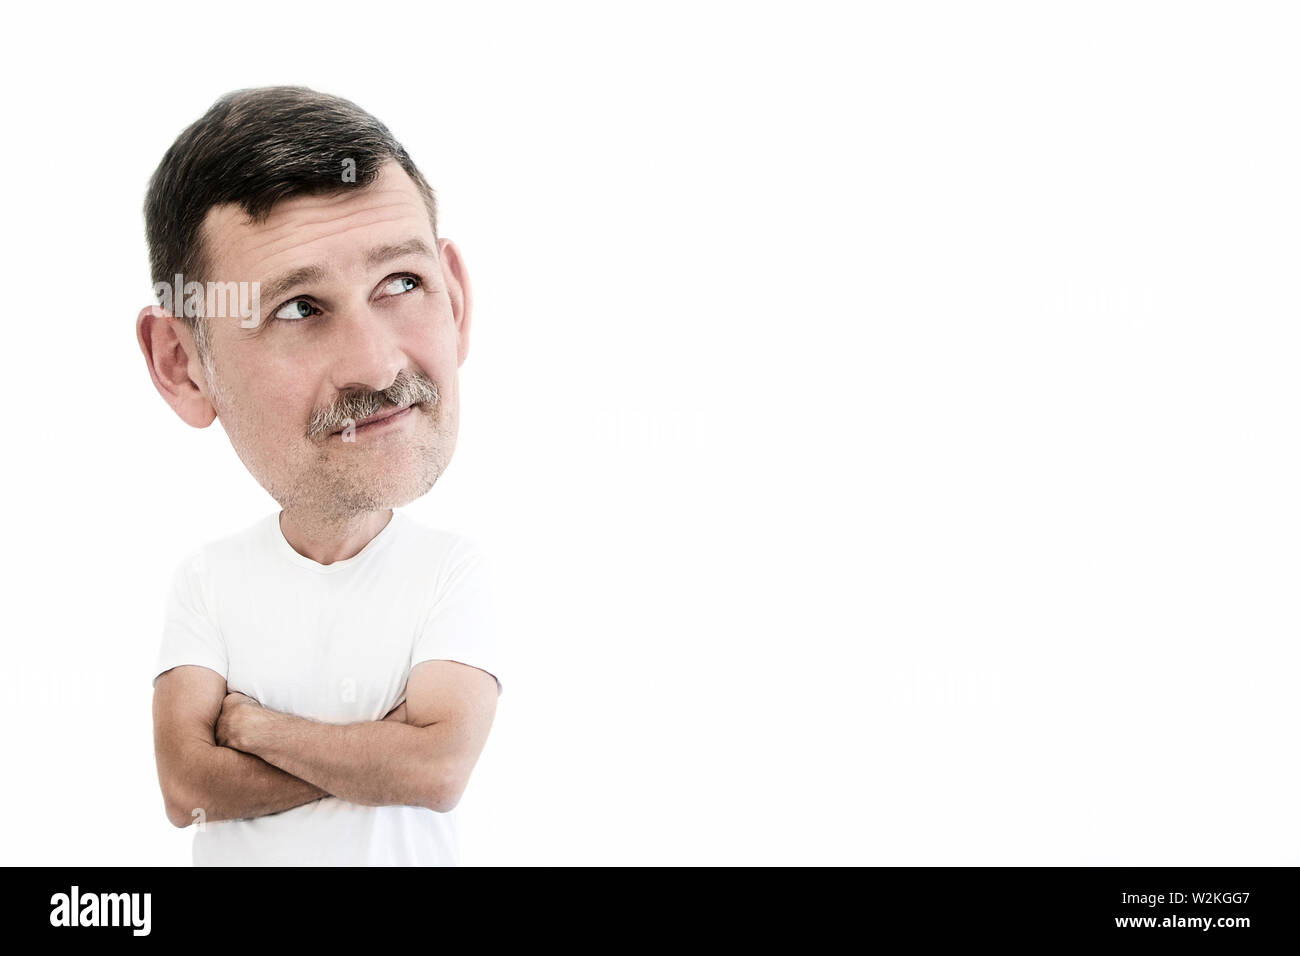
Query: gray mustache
{"points": [[407, 390]]}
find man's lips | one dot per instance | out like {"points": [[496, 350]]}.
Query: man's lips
{"points": [[377, 417]]}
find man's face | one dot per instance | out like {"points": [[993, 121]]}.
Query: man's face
{"points": [[375, 303]]}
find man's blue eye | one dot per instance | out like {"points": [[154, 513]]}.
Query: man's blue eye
{"points": [[295, 310], [402, 284]]}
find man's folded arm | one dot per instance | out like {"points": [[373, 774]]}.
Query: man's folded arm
{"points": [[195, 773], [425, 761]]}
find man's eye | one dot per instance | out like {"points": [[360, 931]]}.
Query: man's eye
{"points": [[295, 309], [402, 284]]}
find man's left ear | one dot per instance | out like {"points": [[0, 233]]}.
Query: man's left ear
{"points": [[458, 288]]}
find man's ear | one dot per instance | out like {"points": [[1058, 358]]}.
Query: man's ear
{"points": [[173, 362], [462, 300]]}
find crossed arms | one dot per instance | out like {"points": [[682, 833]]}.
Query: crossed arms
{"points": [[226, 755]]}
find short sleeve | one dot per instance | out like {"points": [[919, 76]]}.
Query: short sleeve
{"points": [[462, 623], [190, 634]]}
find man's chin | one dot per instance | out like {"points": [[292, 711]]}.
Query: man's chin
{"points": [[388, 489]]}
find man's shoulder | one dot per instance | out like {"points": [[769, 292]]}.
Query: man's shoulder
{"points": [[444, 552], [436, 540], [232, 548]]}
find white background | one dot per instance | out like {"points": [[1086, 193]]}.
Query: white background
{"points": [[883, 416]]}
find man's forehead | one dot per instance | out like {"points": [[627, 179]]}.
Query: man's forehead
{"points": [[340, 227]]}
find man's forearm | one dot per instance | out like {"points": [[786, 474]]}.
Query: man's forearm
{"points": [[227, 784], [374, 763]]}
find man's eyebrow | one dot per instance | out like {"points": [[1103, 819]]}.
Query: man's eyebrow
{"points": [[281, 284], [411, 247]]}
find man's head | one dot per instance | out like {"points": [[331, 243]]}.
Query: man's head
{"points": [[310, 202]]}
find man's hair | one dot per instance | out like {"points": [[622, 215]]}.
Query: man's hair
{"points": [[255, 147]]}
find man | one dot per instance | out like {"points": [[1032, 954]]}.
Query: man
{"points": [[328, 675]]}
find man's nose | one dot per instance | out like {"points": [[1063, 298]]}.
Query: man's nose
{"points": [[366, 348]]}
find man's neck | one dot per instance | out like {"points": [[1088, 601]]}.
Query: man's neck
{"points": [[327, 540]]}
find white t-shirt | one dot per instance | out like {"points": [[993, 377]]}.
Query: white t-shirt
{"points": [[335, 643]]}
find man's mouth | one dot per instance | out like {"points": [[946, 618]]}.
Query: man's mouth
{"points": [[377, 417]]}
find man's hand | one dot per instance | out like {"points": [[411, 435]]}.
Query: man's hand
{"points": [[194, 772], [232, 723]]}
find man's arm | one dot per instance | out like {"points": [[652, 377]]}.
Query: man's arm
{"points": [[424, 762], [197, 774]]}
